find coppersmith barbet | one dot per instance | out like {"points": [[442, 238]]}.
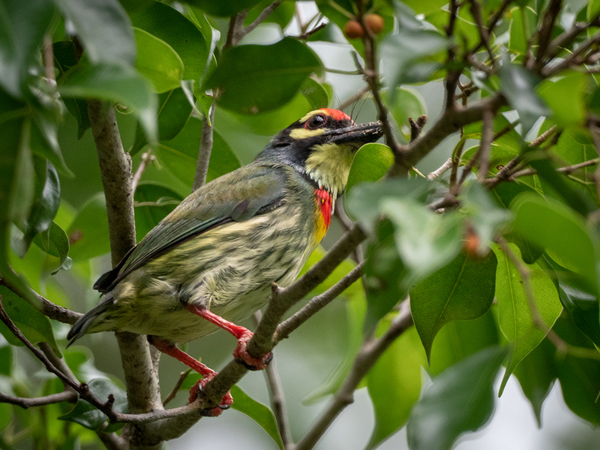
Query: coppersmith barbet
{"points": [[214, 258]]}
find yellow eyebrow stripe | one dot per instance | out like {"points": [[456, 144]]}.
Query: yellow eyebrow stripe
{"points": [[302, 133], [312, 113]]}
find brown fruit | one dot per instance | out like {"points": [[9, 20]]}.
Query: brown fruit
{"points": [[353, 29], [471, 244], [375, 23]]}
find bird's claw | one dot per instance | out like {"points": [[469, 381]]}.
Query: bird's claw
{"points": [[226, 402], [244, 358]]}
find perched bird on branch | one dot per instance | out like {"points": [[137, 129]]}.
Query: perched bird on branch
{"points": [[212, 261]]}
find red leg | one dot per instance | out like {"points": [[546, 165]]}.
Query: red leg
{"points": [[243, 335], [207, 373]]}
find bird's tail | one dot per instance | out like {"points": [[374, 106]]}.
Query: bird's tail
{"points": [[84, 323]]}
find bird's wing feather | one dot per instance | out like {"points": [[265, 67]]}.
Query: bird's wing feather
{"points": [[237, 196]]}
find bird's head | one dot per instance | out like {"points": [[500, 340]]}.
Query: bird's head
{"points": [[321, 146]]}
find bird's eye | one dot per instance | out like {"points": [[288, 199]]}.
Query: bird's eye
{"points": [[315, 122]]}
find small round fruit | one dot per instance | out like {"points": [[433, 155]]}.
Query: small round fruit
{"points": [[375, 23], [353, 29], [471, 245]]}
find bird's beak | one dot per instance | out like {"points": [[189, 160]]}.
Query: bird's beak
{"points": [[357, 134]]}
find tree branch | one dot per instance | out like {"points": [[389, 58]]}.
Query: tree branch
{"points": [[206, 144], [367, 356], [64, 396], [277, 397], [46, 307], [143, 392], [261, 17]]}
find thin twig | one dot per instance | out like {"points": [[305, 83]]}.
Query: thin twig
{"points": [[206, 144], [317, 303], [277, 397], [64, 396], [416, 127], [441, 170], [545, 32], [505, 173], [261, 17], [173, 393], [307, 34], [566, 170], [575, 59], [45, 306], [49, 61], [367, 356], [487, 136], [596, 138], [147, 158], [483, 31], [372, 79], [357, 96]]}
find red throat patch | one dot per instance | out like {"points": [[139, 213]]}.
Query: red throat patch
{"points": [[337, 115], [325, 202]]}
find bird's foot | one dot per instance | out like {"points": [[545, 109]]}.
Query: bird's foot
{"points": [[226, 402], [244, 358]]}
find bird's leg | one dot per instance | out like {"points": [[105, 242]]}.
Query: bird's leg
{"points": [[243, 335], [206, 372]]}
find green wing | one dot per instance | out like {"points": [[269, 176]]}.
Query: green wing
{"points": [[237, 196]]}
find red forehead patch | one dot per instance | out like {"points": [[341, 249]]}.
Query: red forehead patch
{"points": [[337, 115]]}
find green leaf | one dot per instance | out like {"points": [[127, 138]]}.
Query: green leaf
{"points": [[179, 33], [546, 223], [47, 200], [364, 201], [174, 110], [257, 78], [386, 275], [463, 289], [371, 163], [33, 324], [116, 84], [518, 86], [44, 142], [486, 219], [104, 29], [223, 9], [425, 241], [565, 97], [16, 171], [272, 122], [282, 15], [6, 360], [88, 234], [24, 25], [179, 155], [55, 242], [424, 7], [461, 399], [523, 23], [330, 33], [582, 309], [407, 104], [410, 57], [158, 62], [260, 413], [5, 415], [153, 202], [459, 339], [87, 415], [514, 310], [536, 375], [579, 377], [315, 93], [394, 384]]}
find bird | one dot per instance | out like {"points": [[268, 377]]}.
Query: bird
{"points": [[213, 260]]}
